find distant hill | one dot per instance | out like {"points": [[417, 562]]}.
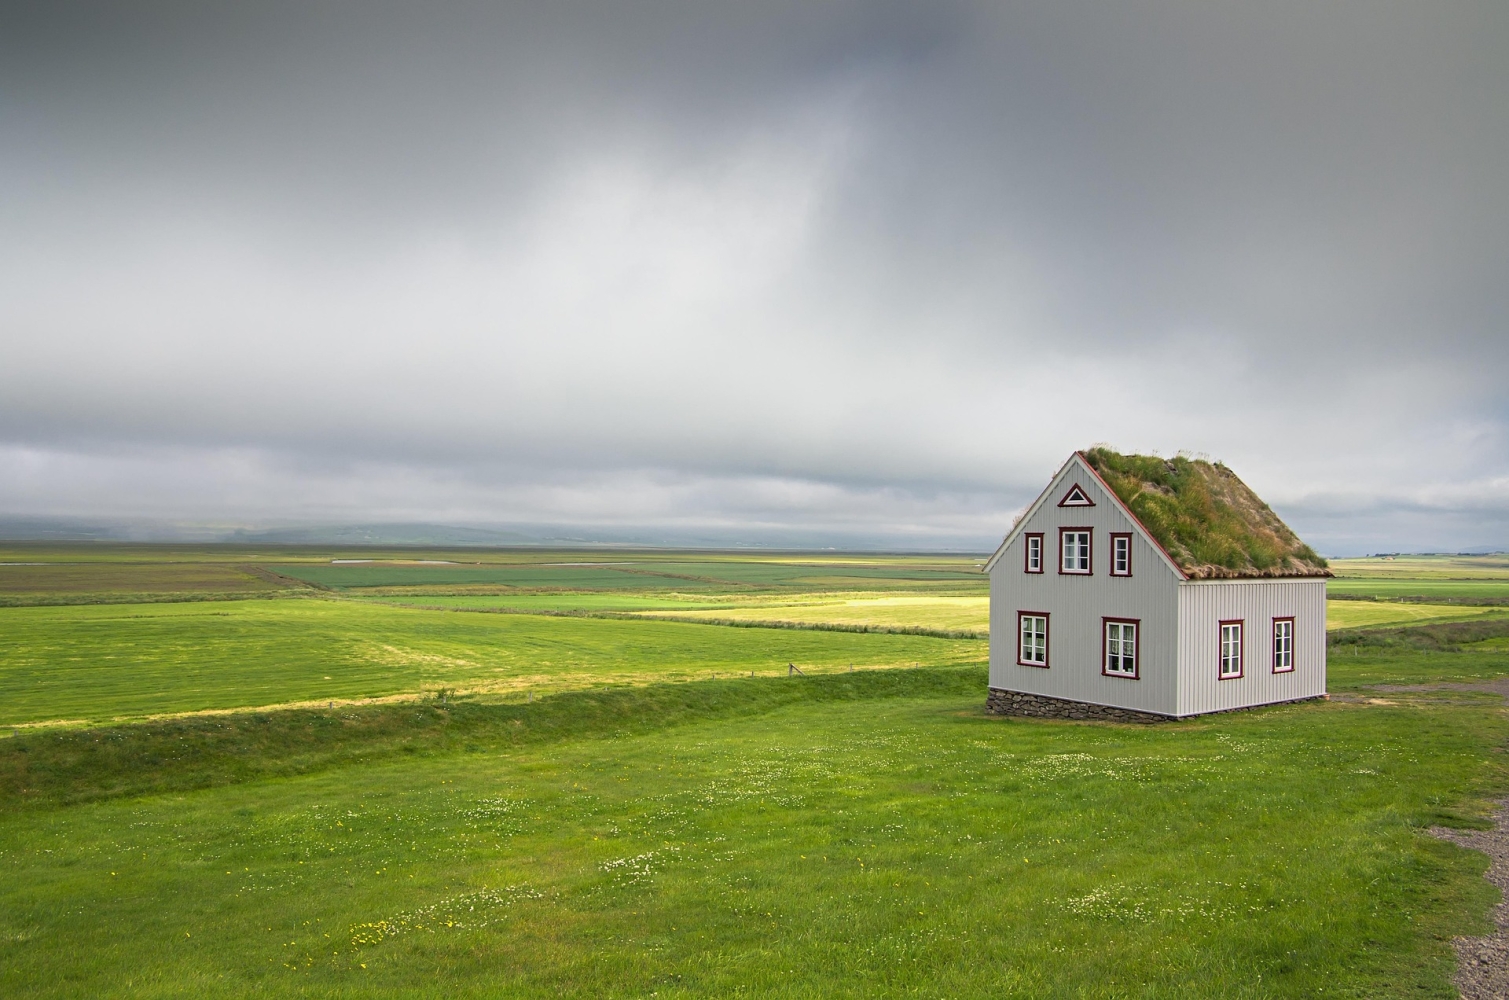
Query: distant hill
{"points": [[383, 534], [25, 528], [61, 529]]}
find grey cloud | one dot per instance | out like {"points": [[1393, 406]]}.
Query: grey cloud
{"points": [[900, 254]]}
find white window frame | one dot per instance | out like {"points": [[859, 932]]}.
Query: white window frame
{"points": [[1283, 644], [1034, 548], [1121, 553], [1120, 638], [1035, 641], [1231, 649], [1084, 556]]}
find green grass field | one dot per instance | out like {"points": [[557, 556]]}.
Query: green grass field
{"points": [[1373, 614], [656, 822], [96, 662], [1445, 578], [827, 838], [1393, 589], [562, 601]]}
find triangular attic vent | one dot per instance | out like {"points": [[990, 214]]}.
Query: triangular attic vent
{"points": [[1076, 498]]}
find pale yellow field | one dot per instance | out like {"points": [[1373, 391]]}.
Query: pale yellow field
{"points": [[960, 613], [1365, 614], [972, 613], [1489, 567]]}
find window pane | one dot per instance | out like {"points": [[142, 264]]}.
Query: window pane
{"points": [[1231, 650], [1283, 645], [1034, 639]]}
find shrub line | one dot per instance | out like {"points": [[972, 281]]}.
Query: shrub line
{"points": [[1446, 637]]}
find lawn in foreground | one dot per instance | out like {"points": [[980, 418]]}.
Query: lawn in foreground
{"points": [[92, 663], [867, 847]]}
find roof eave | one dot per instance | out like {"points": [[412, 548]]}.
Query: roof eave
{"points": [[1026, 516]]}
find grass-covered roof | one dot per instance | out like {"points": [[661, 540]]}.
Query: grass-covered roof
{"points": [[1206, 518]]}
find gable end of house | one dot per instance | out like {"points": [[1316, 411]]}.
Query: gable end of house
{"points": [[1066, 483]]}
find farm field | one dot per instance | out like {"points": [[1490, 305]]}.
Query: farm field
{"points": [[942, 612], [1440, 590], [1484, 567], [937, 612], [563, 601], [99, 662], [1373, 614], [635, 572], [544, 788], [953, 614], [1468, 579]]}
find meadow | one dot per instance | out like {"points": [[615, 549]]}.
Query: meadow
{"points": [[106, 662], [554, 793]]}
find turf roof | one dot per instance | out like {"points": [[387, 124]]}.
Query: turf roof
{"points": [[1210, 523]]}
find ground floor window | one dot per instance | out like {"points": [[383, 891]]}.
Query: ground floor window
{"points": [[1032, 650], [1231, 650], [1283, 645], [1120, 646]]}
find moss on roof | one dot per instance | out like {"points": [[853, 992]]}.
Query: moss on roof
{"points": [[1206, 518]]}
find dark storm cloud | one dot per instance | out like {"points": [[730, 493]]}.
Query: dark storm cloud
{"points": [[801, 265]]}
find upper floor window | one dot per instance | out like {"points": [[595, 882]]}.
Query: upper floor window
{"points": [[1032, 651], [1121, 554], [1120, 647], [1231, 650], [1074, 550], [1283, 645], [1034, 553]]}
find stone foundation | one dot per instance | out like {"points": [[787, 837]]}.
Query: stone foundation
{"points": [[1040, 706]]}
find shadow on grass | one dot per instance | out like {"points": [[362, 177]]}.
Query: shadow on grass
{"points": [[57, 768]]}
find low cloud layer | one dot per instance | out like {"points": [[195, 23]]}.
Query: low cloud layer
{"points": [[845, 271]]}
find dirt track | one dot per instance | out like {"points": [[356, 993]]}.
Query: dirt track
{"points": [[1483, 962]]}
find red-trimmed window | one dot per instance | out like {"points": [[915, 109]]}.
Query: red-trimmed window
{"points": [[1074, 551], [1034, 552], [1231, 650], [1118, 644], [1283, 645], [1121, 553], [1032, 638]]}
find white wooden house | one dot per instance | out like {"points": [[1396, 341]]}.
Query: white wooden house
{"points": [[1138, 587]]}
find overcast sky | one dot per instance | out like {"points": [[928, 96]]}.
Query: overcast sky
{"points": [[836, 270]]}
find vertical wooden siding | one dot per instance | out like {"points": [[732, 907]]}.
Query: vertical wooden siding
{"points": [[1076, 605], [1204, 604]]}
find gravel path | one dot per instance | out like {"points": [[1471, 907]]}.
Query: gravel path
{"points": [[1483, 962]]}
